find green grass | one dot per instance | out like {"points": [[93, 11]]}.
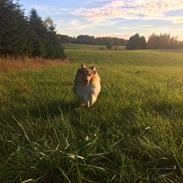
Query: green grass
{"points": [[134, 133]]}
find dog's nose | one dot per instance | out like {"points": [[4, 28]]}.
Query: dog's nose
{"points": [[87, 82]]}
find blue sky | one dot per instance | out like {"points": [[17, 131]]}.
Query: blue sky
{"points": [[118, 18]]}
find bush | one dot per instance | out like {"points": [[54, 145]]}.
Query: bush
{"points": [[109, 46], [101, 48]]}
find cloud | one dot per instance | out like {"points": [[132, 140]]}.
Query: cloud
{"points": [[110, 17], [140, 27], [78, 25], [113, 34], [133, 9], [121, 9]]}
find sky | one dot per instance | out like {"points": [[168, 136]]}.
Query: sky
{"points": [[115, 18]]}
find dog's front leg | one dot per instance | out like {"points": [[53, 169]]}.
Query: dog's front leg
{"points": [[92, 99]]}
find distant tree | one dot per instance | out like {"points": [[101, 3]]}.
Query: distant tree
{"points": [[133, 42], [136, 42], [65, 39], [153, 42], [85, 39], [142, 43], [163, 41]]}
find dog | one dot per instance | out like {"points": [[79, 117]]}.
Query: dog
{"points": [[87, 85]]}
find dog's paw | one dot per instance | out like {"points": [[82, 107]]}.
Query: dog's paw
{"points": [[92, 100], [88, 104]]}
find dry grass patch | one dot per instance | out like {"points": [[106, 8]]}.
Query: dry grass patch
{"points": [[11, 63]]}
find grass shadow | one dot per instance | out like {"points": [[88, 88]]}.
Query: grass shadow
{"points": [[43, 111], [53, 109], [166, 109]]}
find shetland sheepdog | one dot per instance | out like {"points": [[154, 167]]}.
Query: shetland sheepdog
{"points": [[87, 85]]}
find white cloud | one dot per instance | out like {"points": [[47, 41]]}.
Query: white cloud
{"points": [[78, 25], [110, 13], [133, 9]]}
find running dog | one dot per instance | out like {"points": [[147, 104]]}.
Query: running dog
{"points": [[87, 85]]}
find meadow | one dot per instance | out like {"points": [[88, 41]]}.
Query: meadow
{"points": [[134, 133]]}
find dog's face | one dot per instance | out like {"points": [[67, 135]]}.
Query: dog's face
{"points": [[86, 74]]}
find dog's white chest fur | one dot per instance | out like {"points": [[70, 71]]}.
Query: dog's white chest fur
{"points": [[88, 94]]}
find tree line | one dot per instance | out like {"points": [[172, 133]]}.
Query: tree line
{"points": [[27, 35], [162, 41], [86, 39]]}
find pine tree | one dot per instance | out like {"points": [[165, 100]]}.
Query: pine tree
{"points": [[45, 40], [38, 31], [14, 30]]}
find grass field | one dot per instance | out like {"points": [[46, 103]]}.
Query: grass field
{"points": [[134, 133]]}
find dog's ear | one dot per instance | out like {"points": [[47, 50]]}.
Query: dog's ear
{"points": [[93, 68], [83, 66]]}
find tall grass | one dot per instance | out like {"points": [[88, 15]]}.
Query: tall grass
{"points": [[134, 133], [11, 63]]}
